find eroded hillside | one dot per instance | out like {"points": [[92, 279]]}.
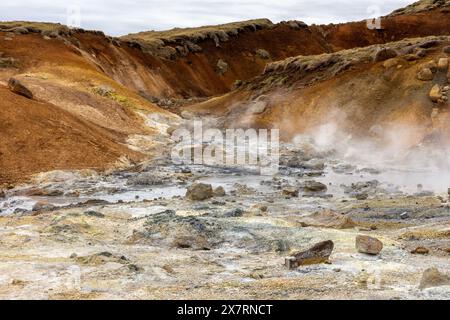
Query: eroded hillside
{"points": [[400, 85], [131, 88]]}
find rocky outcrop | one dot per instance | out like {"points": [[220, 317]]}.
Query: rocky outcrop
{"points": [[422, 6]]}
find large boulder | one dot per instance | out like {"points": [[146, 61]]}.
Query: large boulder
{"points": [[319, 253], [199, 192], [17, 87], [369, 245]]}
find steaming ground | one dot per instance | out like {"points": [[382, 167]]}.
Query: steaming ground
{"points": [[134, 234]]}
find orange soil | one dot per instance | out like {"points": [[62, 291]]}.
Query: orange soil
{"points": [[37, 137]]}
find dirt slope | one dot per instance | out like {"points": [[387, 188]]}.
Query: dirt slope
{"points": [[37, 136], [79, 117]]}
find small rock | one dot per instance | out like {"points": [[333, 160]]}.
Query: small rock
{"points": [[44, 192], [256, 275], [369, 245], [443, 64], [314, 186], [420, 250], [92, 213], [17, 87], [238, 83], [421, 53], [41, 206], [2, 194], [425, 74], [328, 219], [446, 49], [404, 215], [384, 54], [146, 179], [435, 93], [361, 196], [219, 192], [199, 192], [263, 54], [290, 192], [234, 213], [432, 277], [294, 24], [432, 65], [319, 253], [221, 67]]}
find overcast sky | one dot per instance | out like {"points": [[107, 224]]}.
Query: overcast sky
{"points": [[116, 17]]}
